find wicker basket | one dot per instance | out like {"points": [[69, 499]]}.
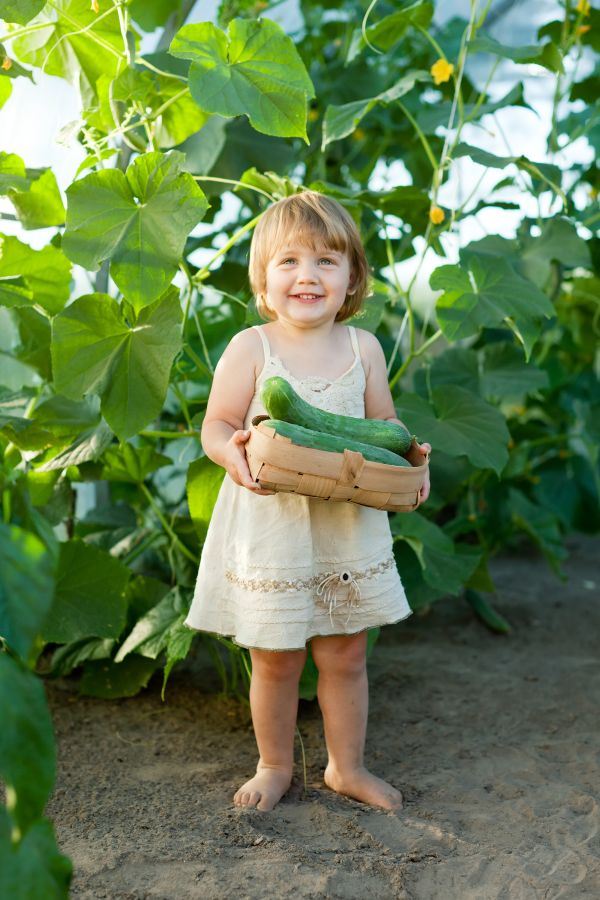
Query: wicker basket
{"points": [[277, 464]]}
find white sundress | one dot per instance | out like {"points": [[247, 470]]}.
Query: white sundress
{"points": [[279, 569]]}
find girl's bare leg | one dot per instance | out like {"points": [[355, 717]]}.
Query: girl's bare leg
{"points": [[343, 693], [274, 706]]}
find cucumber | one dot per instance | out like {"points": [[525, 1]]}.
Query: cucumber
{"points": [[282, 402], [494, 620], [316, 440]]}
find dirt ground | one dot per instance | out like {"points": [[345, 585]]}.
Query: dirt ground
{"points": [[493, 740]]}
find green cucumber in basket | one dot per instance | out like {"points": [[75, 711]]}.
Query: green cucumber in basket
{"points": [[316, 440], [282, 402]]}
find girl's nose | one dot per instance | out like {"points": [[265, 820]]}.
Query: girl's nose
{"points": [[308, 273]]}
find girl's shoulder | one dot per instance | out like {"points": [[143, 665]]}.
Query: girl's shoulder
{"points": [[247, 345], [368, 345]]}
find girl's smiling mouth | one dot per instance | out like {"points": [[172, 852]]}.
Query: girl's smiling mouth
{"points": [[307, 298]]}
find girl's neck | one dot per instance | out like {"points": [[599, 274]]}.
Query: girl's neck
{"points": [[310, 335]]}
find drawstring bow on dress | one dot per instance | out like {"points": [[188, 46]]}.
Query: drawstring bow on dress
{"points": [[329, 587]]}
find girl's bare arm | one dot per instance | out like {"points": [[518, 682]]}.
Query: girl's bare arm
{"points": [[222, 434], [378, 397]]}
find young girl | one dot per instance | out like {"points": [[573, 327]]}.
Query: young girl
{"points": [[280, 569]]}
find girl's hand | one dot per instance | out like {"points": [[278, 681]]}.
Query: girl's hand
{"points": [[424, 449], [236, 463]]}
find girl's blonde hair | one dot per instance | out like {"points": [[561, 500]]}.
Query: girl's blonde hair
{"points": [[316, 221]]}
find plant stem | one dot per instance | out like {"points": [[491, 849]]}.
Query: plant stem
{"points": [[188, 553], [421, 135], [202, 273], [169, 435], [249, 187]]}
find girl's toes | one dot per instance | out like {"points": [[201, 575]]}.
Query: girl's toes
{"points": [[254, 798]]}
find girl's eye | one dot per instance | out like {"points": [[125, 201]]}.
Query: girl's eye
{"points": [[326, 259]]}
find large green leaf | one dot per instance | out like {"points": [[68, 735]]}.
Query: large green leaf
{"points": [[558, 242], [27, 754], [153, 14], [94, 350], [203, 484], [341, 121], [456, 366], [70, 656], [371, 313], [25, 434], [33, 192], [132, 464], [89, 596], [458, 422], [486, 291], [89, 445], [418, 591], [541, 525], [14, 374], [389, 30], [76, 44], [446, 565], [497, 372], [34, 867], [109, 680], [26, 585], [139, 220], [180, 117], [5, 90], [547, 55], [20, 11], [537, 170], [149, 636], [254, 70], [45, 273], [506, 376], [179, 641]]}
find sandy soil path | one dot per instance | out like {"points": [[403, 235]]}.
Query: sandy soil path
{"points": [[494, 741]]}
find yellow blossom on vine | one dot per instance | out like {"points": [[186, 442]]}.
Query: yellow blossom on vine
{"points": [[436, 215], [6, 63], [95, 6], [583, 7], [582, 29], [441, 71], [358, 134]]}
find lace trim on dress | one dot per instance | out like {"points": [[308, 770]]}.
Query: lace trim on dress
{"points": [[315, 382], [327, 586]]}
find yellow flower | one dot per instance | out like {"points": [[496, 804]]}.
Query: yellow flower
{"points": [[6, 63], [95, 6], [441, 70], [313, 115], [583, 7], [436, 215], [582, 29], [358, 134]]}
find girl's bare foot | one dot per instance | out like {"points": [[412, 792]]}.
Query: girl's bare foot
{"points": [[266, 789], [362, 785]]}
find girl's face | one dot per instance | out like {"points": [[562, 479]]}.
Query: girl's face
{"points": [[307, 287]]}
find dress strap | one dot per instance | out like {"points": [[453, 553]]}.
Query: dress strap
{"points": [[265, 342], [354, 340]]}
